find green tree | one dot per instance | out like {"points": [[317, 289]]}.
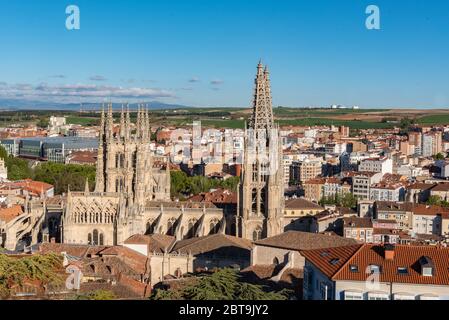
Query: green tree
{"points": [[43, 123], [348, 200], [439, 156], [36, 267], [97, 295], [62, 175], [181, 184], [225, 284], [434, 200]]}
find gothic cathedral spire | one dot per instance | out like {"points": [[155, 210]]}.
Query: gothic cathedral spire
{"points": [[262, 115], [261, 189]]}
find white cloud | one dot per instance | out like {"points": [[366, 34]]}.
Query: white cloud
{"points": [[216, 82], [194, 79], [77, 92], [97, 78]]}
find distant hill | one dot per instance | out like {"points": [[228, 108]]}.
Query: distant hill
{"points": [[13, 104]]}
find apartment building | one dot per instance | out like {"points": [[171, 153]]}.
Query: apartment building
{"points": [[387, 192], [382, 165], [308, 169], [361, 184], [401, 212]]}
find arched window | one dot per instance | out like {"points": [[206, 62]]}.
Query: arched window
{"points": [[257, 234], [95, 237], [89, 238], [101, 239], [254, 201], [150, 227], [262, 200], [171, 226], [233, 229], [213, 226]]}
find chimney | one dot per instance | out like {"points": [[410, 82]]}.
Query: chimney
{"points": [[388, 251]]}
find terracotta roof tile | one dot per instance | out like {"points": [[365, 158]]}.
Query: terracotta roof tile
{"points": [[297, 240], [301, 203], [209, 243], [9, 214]]}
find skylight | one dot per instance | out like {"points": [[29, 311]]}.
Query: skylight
{"points": [[334, 261], [354, 268], [402, 270]]}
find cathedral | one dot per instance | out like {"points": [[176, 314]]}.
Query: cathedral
{"points": [[132, 191]]}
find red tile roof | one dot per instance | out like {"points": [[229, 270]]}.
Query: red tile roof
{"points": [[368, 254], [9, 214]]}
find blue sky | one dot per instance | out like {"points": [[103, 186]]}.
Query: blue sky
{"points": [[204, 53]]}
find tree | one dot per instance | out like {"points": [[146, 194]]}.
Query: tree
{"points": [[62, 175], [434, 200], [181, 184], [97, 295], [348, 200], [43, 123], [225, 284], [439, 156], [36, 267]]}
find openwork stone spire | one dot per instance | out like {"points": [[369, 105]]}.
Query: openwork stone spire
{"points": [[262, 117]]}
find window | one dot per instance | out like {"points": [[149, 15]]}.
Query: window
{"points": [[354, 268], [402, 270], [334, 261], [373, 268], [404, 296], [428, 297], [427, 271], [377, 296], [353, 295]]}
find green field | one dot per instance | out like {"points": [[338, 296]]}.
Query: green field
{"points": [[85, 121], [283, 111], [353, 124], [434, 119]]}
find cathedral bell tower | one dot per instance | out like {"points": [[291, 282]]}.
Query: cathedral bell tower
{"points": [[261, 189]]}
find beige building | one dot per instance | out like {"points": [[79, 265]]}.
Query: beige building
{"points": [[168, 257], [441, 190], [287, 248], [300, 207], [359, 229], [401, 212]]}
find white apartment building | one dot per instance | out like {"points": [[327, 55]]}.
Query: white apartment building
{"points": [[336, 148], [410, 171], [382, 165], [387, 192]]}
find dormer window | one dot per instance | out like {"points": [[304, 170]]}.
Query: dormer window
{"points": [[374, 268], [427, 266], [427, 272], [354, 268]]}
